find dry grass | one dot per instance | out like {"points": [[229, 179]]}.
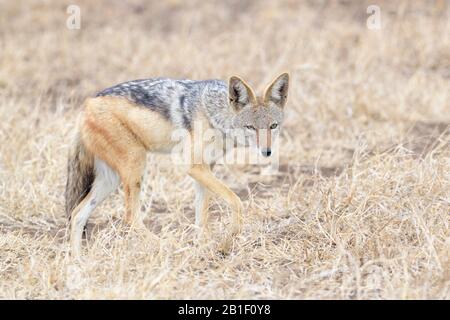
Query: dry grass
{"points": [[360, 208]]}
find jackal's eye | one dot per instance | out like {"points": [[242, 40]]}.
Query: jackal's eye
{"points": [[250, 127], [273, 126]]}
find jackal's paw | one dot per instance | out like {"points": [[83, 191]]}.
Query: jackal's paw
{"points": [[138, 228], [226, 246], [237, 226], [141, 229], [75, 254], [202, 235], [133, 225], [228, 243]]}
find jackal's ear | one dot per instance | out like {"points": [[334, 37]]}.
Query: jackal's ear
{"points": [[277, 91], [239, 93]]}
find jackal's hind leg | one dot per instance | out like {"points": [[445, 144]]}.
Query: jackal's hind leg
{"points": [[131, 173], [106, 181]]}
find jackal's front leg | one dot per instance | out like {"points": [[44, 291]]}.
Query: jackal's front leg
{"points": [[203, 175], [202, 196]]}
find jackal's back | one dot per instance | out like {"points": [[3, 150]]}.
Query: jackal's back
{"points": [[177, 100]]}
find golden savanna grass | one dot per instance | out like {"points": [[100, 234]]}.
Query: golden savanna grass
{"points": [[360, 208]]}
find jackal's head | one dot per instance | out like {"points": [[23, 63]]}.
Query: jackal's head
{"points": [[260, 118]]}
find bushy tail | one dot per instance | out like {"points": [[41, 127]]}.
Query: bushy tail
{"points": [[80, 175]]}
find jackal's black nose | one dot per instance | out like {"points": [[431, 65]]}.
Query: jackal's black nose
{"points": [[266, 152]]}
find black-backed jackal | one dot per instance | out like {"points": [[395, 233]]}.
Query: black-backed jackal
{"points": [[122, 123]]}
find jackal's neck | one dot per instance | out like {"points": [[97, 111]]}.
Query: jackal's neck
{"points": [[222, 120], [218, 111]]}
